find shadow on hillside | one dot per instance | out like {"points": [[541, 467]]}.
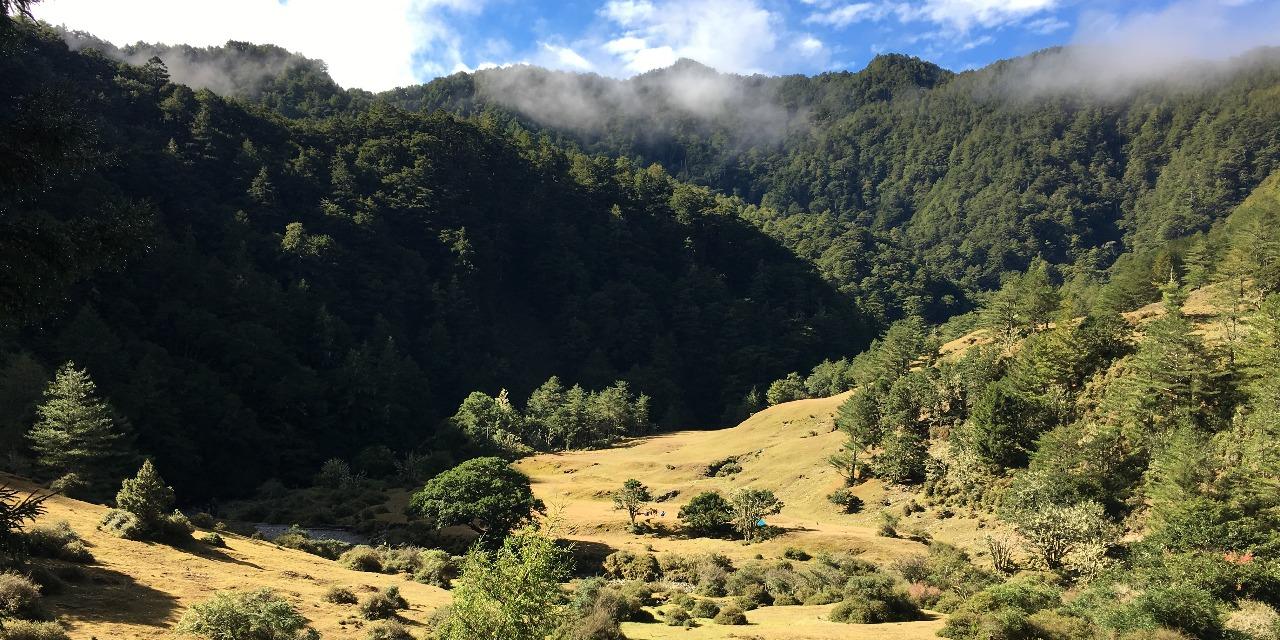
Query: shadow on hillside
{"points": [[213, 553], [105, 595], [588, 555]]}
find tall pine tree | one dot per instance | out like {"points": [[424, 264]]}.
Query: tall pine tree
{"points": [[76, 430]]}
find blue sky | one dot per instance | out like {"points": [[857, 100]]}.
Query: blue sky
{"points": [[379, 44]]}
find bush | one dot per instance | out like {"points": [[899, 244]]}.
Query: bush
{"points": [[730, 615], [389, 630], [861, 612], [436, 568], [1255, 620], [122, 524], [627, 565], [174, 527], [27, 630], [245, 615], [19, 596], [676, 617], [335, 473], [213, 539], [339, 595], [845, 499], [362, 558], [793, 553], [70, 485], [383, 604], [58, 541], [704, 609], [146, 496], [707, 514], [297, 538]]}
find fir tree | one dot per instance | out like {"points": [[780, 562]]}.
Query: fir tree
{"points": [[76, 430], [146, 496]]}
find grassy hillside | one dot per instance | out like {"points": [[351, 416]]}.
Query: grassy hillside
{"points": [[137, 590]]}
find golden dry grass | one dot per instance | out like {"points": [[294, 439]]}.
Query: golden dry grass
{"points": [[139, 590]]}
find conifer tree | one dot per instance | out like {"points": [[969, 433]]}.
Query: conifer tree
{"points": [[146, 495], [76, 430], [1172, 376]]}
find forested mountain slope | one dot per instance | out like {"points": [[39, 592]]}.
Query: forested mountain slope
{"points": [[256, 294], [913, 188]]}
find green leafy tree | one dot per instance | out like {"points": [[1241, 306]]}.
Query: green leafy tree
{"points": [[76, 430], [1053, 533], [632, 498], [512, 593], [750, 507], [707, 513], [786, 389], [484, 494]]}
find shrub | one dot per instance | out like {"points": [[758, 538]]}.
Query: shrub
{"points": [[362, 558], [122, 524], [861, 612], [213, 539], [383, 604], [845, 499], [28, 630], [335, 473], [627, 565], [297, 538], [19, 596], [704, 609], [676, 617], [436, 568], [174, 527], [204, 520], [339, 595], [70, 484], [245, 615], [58, 541], [924, 595], [146, 496], [707, 514], [793, 553], [389, 630], [730, 615], [1255, 620]]}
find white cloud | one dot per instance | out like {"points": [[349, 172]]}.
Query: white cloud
{"points": [[848, 14], [809, 46], [730, 35], [963, 15], [376, 45], [567, 58]]}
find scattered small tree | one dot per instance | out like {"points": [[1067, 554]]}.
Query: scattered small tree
{"points": [[144, 508], [1054, 532], [631, 498], [750, 506], [485, 494], [513, 593]]}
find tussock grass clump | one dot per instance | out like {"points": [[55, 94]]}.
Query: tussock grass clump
{"points": [[389, 630], [19, 596], [58, 541], [213, 539], [29, 630], [383, 604], [362, 558], [340, 595]]}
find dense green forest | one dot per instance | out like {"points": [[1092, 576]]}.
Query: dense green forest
{"points": [[255, 293], [302, 269]]}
